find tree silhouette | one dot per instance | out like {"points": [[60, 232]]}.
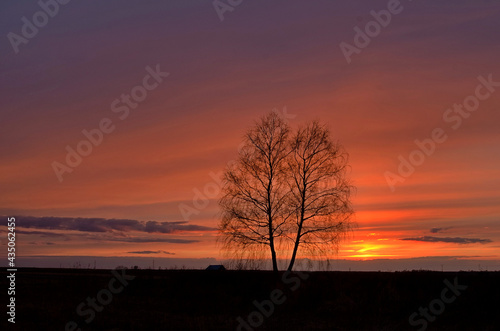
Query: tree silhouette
{"points": [[255, 192], [320, 191], [284, 193]]}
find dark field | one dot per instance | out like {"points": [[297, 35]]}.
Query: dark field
{"points": [[47, 299]]}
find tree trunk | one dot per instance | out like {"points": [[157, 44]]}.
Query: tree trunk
{"points": [[299, 230], [273, 255], [295, 248]]}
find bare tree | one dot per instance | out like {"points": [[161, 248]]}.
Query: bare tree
{"points": [[320, 191], [284, 193], [255, 191]]}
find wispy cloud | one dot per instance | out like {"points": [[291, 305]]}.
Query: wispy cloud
{"points": [[456, 240], [151, 252], [152, 240], [42, 233], [114, 237], [436, 230], [41, 243]]}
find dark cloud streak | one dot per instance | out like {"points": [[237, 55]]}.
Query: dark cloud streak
{"points": [[42, 233], [456, 240], [91, 236], [151, 252], [107, 225], [436, 230]]}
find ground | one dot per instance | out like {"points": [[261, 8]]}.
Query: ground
{"points": [[48, 299]]}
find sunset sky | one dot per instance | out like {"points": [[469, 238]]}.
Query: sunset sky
{"points": [[126, 197]]}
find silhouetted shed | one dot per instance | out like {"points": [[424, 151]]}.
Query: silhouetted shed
{"points": [[216, 267]]}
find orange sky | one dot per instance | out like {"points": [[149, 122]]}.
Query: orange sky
{"points": [[224, 75]]}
